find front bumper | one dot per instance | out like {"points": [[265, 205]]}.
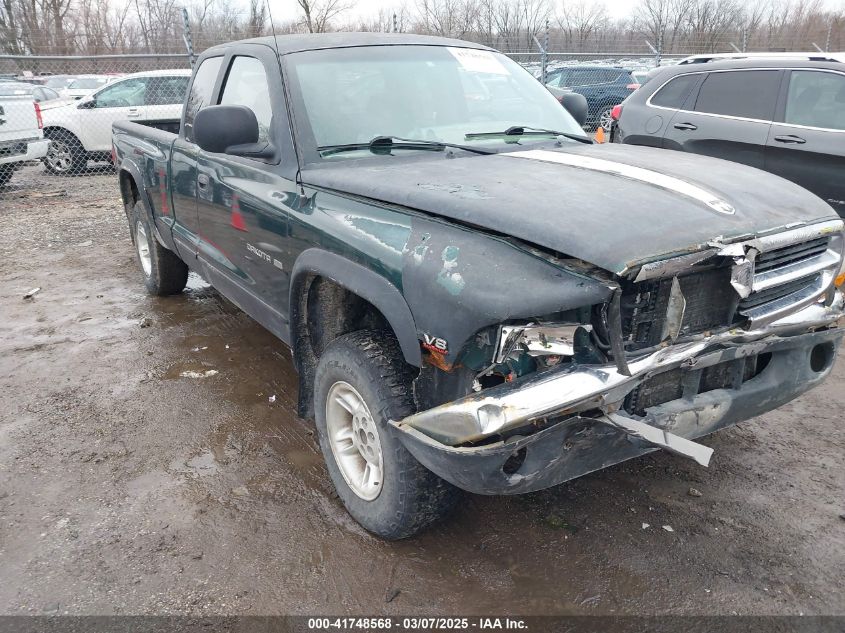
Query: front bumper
{"points": [[586, 399], [35, 149]]}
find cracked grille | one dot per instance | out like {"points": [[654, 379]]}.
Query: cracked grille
{"points": [[783, 276]]}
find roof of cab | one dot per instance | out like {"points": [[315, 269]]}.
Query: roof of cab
{"points": [[315, 41]]}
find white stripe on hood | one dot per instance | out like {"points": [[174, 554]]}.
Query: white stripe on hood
{"points": [[629, 171]]}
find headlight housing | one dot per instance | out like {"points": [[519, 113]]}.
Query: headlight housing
{"points": [[539, 340]]}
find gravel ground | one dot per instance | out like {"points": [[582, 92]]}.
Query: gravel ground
{"points": [[127, 487]]}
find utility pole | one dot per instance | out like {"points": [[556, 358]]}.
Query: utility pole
{"points": [[827, 42], [744, 39], [542, 59], [186, 36], [546, 52], [659, 49]]}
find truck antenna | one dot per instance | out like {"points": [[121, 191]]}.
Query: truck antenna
{"points": [[287, 103], [273, 29]]}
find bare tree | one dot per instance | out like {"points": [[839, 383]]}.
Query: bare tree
{"points": [[318, 14], [580, 21]]}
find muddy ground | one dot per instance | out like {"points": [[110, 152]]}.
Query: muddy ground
{"points": [[127, 487]]}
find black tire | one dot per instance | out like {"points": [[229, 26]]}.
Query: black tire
{"points": [[163, 272], [5, 175], [411, 496], [65, 155]]}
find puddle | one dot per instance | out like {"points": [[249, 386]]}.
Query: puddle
{"points": [[203, 464], [189, 370]]}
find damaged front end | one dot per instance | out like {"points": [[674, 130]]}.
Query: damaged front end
{"points": [[685, 346]]}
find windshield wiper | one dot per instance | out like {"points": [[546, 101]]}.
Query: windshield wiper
{"points": [[527, 130], [383, 145]]}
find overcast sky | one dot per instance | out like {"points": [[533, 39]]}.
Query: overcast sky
{"points": [[284, 10]]}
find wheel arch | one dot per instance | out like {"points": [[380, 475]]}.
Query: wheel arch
{"points": [[61, 129], [131, 192], [333, 271]]}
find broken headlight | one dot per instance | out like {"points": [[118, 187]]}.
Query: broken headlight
{"points": [[550, 341]]}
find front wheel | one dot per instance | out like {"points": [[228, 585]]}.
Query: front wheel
{"points": [[361, 383]]}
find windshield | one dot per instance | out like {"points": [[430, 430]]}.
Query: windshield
{"points": [[88, 83], [58, 82], [432, 93]]}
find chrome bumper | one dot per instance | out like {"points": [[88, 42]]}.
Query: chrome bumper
{"points": [[570, 390]]}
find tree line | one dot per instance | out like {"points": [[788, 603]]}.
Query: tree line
{"points": [[92, 27]]}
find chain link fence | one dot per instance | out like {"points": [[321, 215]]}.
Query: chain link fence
{"points": [[56, 112]]}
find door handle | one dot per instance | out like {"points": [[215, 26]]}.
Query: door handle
{"points": [[202, 181], [133, 112], [790, 138], [685, 126]]}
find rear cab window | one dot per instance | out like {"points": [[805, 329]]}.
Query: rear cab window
{"points": [[816, 99], [201, 92], [747, 94]]}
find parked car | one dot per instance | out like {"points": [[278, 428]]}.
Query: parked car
{"points": [[38, 93], [639, 76], [59, 83], [21, 136], [603, 86], [813, 56], [784, 116], [476, 301], [84, 85], [80, 131]]}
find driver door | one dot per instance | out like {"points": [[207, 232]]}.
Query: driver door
{"points": [[120, 101]]}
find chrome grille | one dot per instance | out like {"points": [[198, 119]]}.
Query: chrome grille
{"points": [[777, 292], [790, 254], [792, 269]]}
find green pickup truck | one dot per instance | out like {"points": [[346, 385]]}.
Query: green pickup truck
{"points": [[477, 297]]}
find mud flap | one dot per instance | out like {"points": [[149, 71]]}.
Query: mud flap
{"points": [[659, 437]]}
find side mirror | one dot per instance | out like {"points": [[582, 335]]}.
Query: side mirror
{"points": [[224, 129], [90, 104], [576, 105]]}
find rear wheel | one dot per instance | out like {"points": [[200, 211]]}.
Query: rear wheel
{"points": [[65, 154], [606, 119], [361, 383], [164, 273]]}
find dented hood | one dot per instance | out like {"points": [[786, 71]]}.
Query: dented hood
{"points": [[614, 206]]}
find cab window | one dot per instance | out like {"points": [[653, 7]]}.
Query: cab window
{"points": [[201, 90], [246, 85]]}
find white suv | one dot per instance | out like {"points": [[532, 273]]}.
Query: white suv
{"points": [[81, 130]]}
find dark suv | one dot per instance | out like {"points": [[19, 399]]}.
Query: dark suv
{"points": [[603, 86], [784, 116]]}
